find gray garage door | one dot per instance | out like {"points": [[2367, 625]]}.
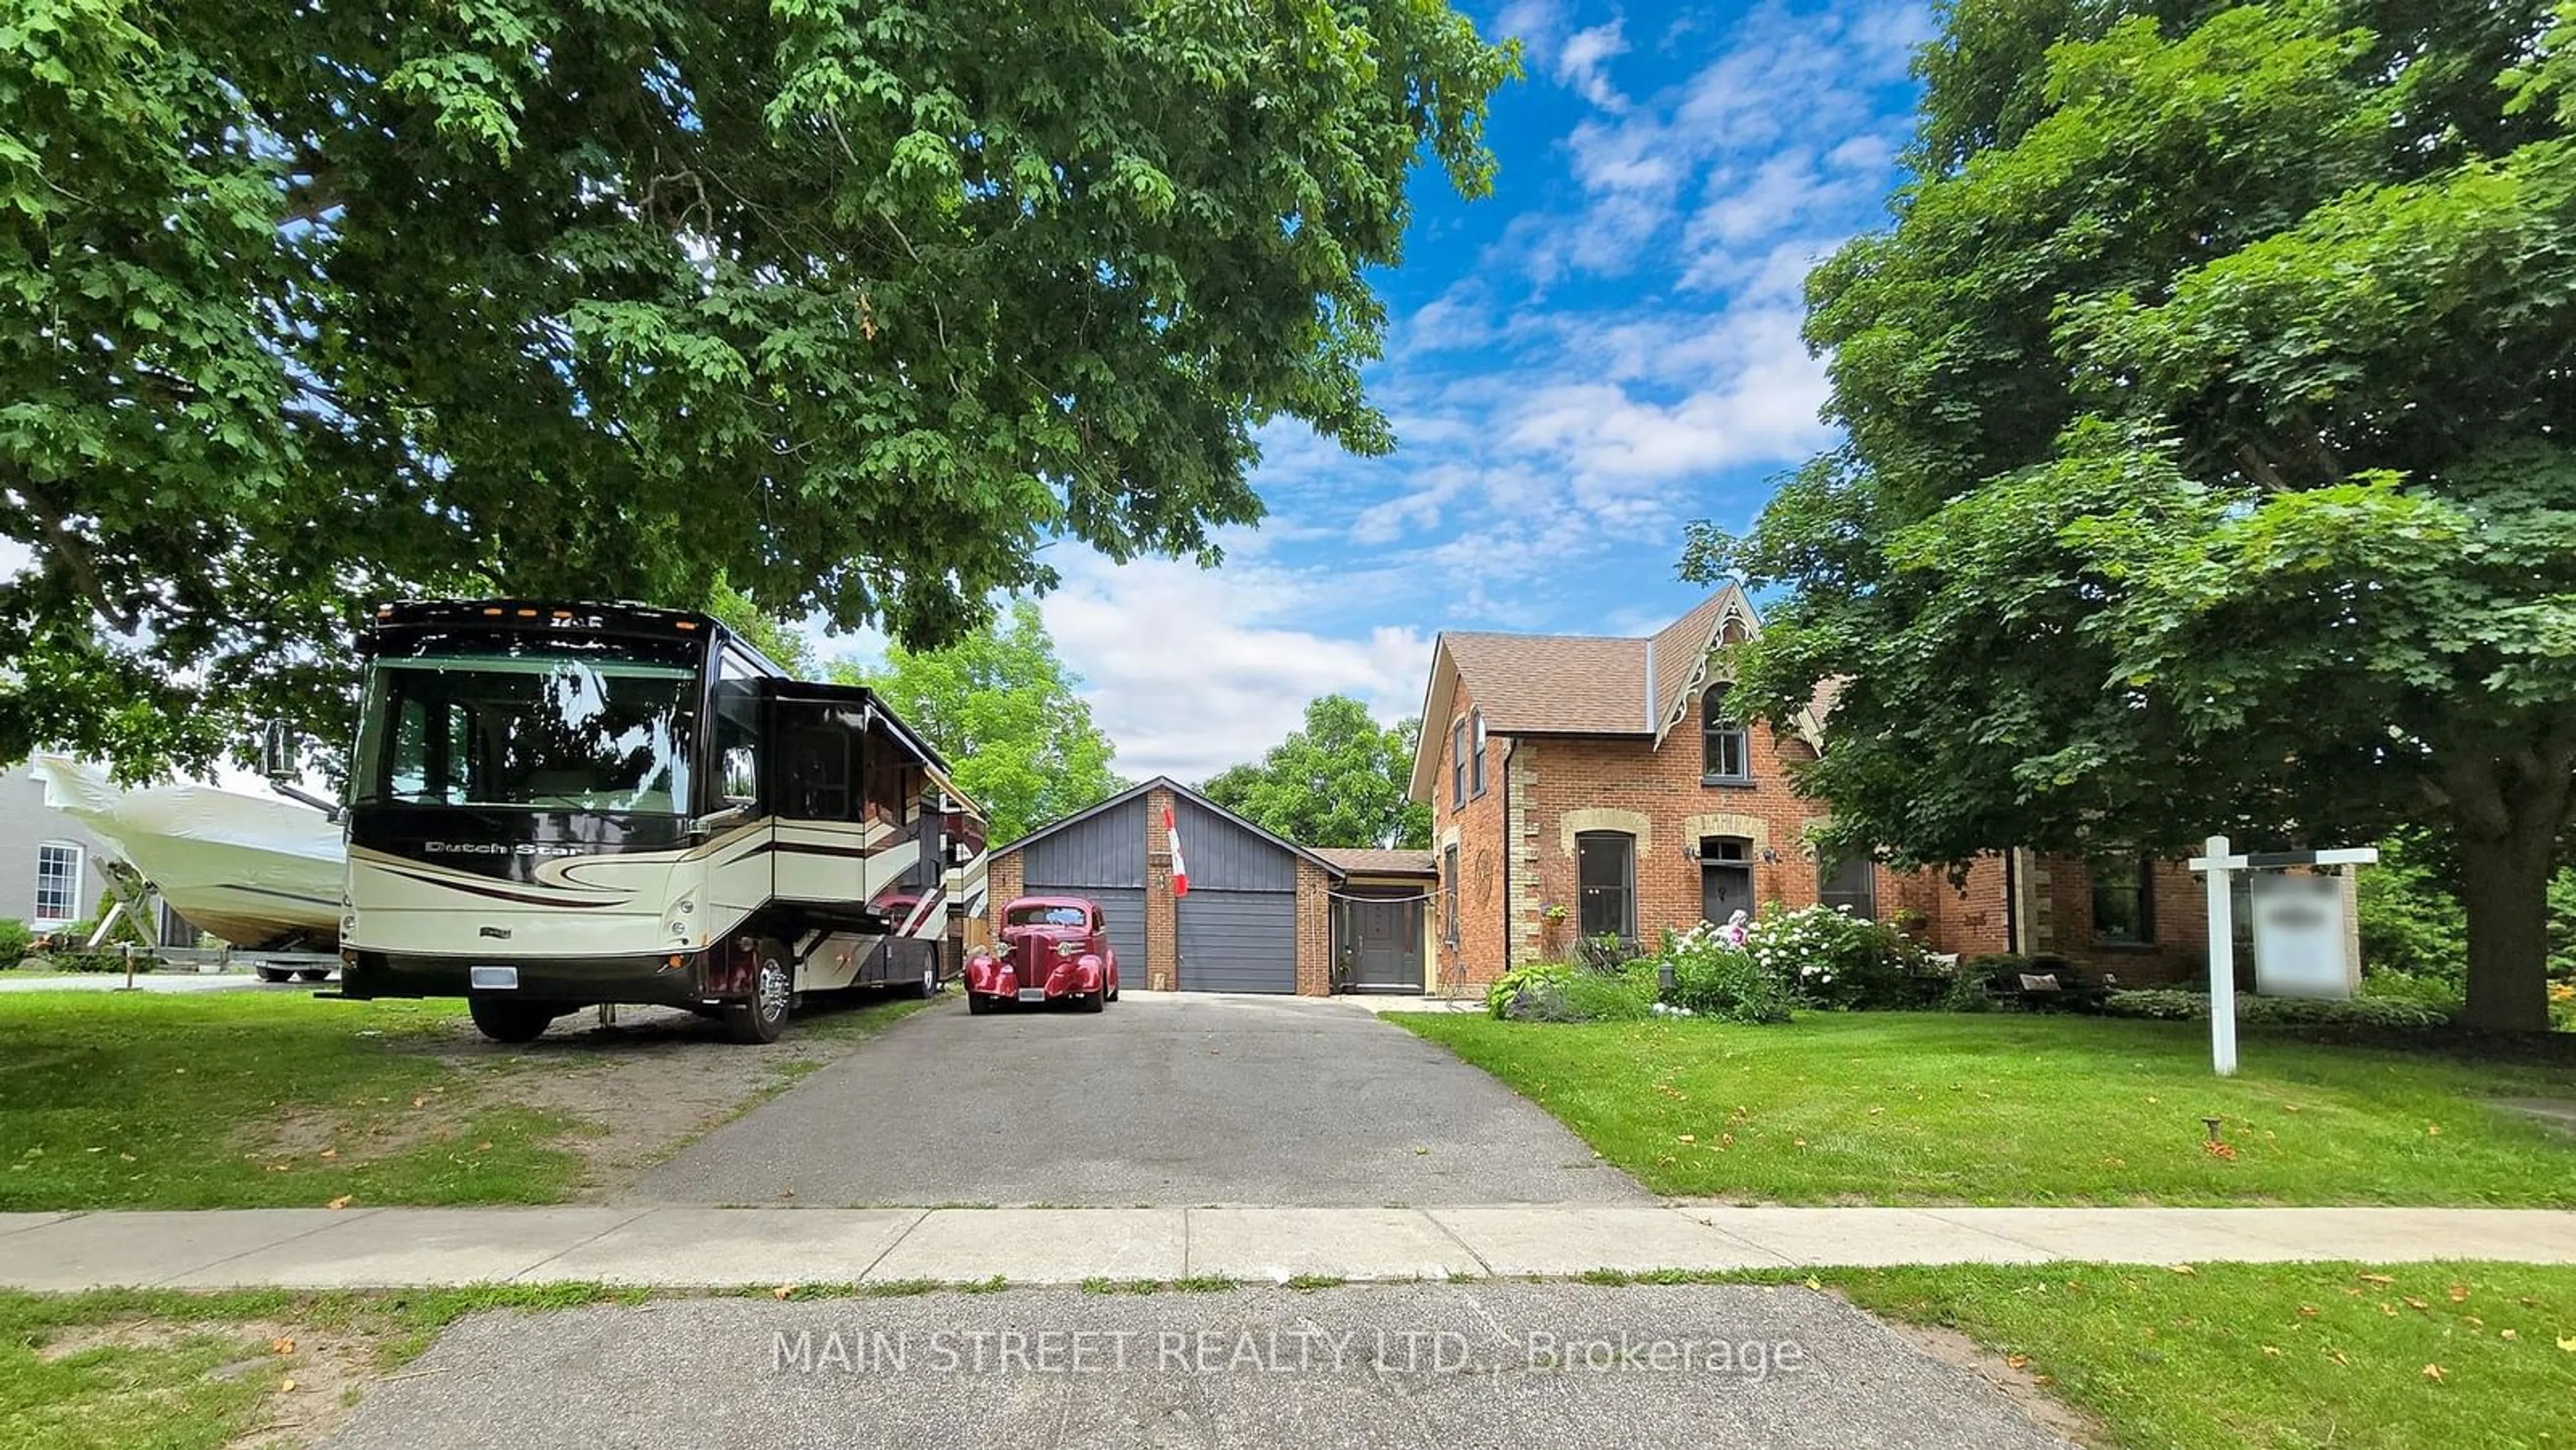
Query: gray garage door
{"points": [[1239, 941], [1124, 906]]}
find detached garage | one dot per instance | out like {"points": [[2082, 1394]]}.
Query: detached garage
{"points": [[1256, 916]]}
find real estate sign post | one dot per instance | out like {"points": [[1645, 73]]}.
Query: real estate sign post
{"points": [[2219, 867]]}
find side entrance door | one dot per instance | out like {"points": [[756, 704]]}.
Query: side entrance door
{"points": [[1387, 945]]}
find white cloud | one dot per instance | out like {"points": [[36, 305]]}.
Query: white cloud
{"points": [[15, 558], [1454, 321], [1582, 65], [1775, 278], [1784, 127], [1190, 671], [1418, 508]]}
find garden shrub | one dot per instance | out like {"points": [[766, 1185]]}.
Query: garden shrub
{"points": [[16, 940], [1713, 977], [2177, 1006], [122, 931], [1621, 996], [1834, 959], [1512, 984], [2434, 992], [1965, 992], [1565, 992], [104, 959]]}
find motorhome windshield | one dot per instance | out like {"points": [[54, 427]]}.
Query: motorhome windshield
{"points": [[546, 732]]}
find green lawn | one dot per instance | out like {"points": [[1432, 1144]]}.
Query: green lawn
{"points": [[110, 1100], [2273, 1355], [267, 1100], [118, 1370], [1938, 1108]]}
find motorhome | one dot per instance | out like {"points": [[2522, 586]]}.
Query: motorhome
{"points": [[554, 806]]}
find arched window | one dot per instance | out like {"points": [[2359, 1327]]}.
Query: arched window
{"points": [[1724, 752]]}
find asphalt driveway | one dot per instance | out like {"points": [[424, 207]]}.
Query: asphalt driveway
{"points": [[1161, 1100], [1499, 1364]]}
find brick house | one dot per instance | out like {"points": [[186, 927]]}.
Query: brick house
{"points": [[1582, 785]]}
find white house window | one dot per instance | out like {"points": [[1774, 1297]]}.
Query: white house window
{"points": [[58, 884], [1476, 749]]}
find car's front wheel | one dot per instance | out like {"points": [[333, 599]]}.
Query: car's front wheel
{"points": [[977, 1004], [773, 992]]}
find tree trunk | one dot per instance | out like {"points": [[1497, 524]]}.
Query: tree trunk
{"points": [[2504, 887]]}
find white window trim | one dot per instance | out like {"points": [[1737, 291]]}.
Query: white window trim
{"points": [[80, 880]]}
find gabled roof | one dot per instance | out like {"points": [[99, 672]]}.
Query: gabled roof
{"points": [[1571, 684], [1370, 861], [1557, 683], [1141, 789]]}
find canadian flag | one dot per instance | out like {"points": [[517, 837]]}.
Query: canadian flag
{"points": [[1180, 868]]}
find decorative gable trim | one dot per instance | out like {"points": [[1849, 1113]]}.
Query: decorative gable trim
{"points": [[1735, 621]]}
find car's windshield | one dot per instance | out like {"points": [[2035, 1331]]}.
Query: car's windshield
{"points": [[1046, 916], [553, 732]]}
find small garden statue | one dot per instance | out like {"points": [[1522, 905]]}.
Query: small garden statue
{"points": [[1737, 928]]}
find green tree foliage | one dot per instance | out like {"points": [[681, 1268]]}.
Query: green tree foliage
{"points": [[1340, 781], [1004, 710], [303, 306], [2208, 464], [764, 631]]}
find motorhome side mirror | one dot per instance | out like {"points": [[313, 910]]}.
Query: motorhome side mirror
{"points": [[277, 753]]}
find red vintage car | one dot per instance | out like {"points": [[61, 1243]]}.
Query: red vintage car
{"points": [[1053, 949]]}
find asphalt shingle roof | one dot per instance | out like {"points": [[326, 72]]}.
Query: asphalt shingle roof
{"points": [[1555, 683], [1370, 861], [1573, 684]]}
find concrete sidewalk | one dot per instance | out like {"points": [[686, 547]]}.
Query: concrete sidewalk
{"points": [[753, 1247]]}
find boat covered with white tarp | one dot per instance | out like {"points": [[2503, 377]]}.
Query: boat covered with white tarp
{"points": [[257, 871]]}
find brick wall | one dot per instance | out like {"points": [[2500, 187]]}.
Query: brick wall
{"points": [[1970, 918], [1476, 829], [1162, 921], [1557, 786], [2063, 890], [1001, 884], [1314, 931], [1626, 784]]}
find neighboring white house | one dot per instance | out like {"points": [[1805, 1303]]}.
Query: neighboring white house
{"points": [[49, 864], [49, 874]]}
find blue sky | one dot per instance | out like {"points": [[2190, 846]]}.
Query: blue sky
{"points": [[1604, 348]]}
